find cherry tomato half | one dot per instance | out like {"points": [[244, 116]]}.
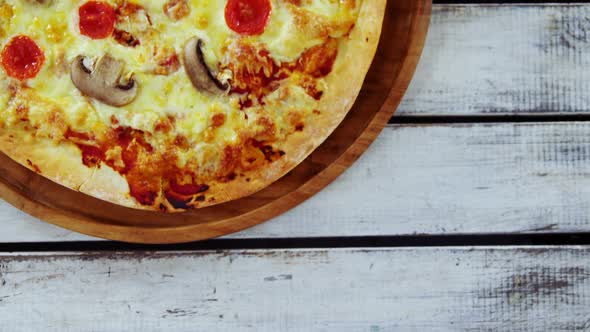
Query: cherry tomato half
{"points": [[97, 19], [22, 58], [247, 17]]}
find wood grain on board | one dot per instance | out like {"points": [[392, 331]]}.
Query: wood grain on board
{"points": [[444, 179], [430, 289]]}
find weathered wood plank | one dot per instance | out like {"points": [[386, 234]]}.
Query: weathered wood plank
{"points": [[433, 289], [488, 59], [443, 179]]}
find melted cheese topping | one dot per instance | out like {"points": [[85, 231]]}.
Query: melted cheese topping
{"points": [[55, 28], [294, 27]]}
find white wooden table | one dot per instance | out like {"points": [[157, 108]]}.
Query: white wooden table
{"points": [[470, 212]]}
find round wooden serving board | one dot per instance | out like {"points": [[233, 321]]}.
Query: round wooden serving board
{"points": [[404, 32]]}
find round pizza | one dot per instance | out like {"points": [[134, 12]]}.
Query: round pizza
{"points": [[177, 104]]}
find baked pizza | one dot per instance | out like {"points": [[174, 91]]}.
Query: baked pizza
{"points": [[177, 104]]}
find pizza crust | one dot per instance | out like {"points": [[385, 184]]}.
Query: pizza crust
{"points": [[58, 162], [106, 184], [355, 57], [63, 163]]}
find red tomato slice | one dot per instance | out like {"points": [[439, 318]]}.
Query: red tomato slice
{"points": [[97, 19], [247, 17], [22, 58]]}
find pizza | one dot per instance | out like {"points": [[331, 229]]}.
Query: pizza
{"points": [[177, 104]]}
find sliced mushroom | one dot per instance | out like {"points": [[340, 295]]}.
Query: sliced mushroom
{"points": [[197, 70], [103, 83]]}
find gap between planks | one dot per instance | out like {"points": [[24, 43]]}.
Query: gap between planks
{"points": [[107, 248]]}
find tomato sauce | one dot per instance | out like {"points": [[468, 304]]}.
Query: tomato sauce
{"points": [[151, 174], [255, 74]]}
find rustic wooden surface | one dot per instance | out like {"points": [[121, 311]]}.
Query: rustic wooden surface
{"points": [[504, 59], [457, 159], [414, 289]]}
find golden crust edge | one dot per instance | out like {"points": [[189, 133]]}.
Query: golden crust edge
{"points": [[334, 106], [45, 157], [62, 164]]}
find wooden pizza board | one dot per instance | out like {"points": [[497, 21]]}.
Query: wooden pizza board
{"points": [[404, 32]]}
